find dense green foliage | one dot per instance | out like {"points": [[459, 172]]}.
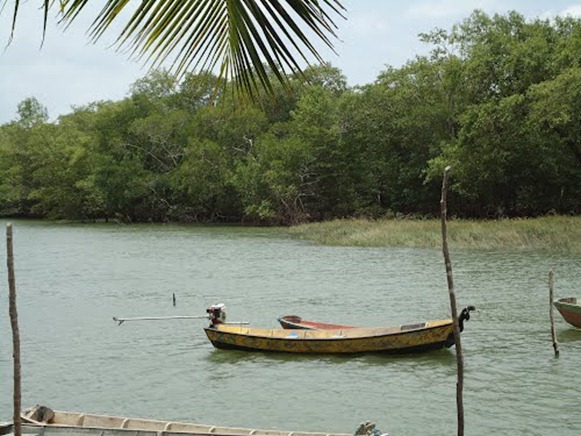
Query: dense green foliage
{"points": [[499, 99]]}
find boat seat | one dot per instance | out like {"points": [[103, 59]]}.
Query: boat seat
{"points": [[413, 326]]}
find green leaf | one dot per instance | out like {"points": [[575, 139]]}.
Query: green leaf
{"points": [[238, 38]]}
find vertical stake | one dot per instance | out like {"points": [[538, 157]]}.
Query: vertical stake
{"points": [[15, 331], [553, 335], [457, 343]]}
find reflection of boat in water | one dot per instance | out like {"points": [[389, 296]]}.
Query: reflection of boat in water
{"points": [[409, 338], [569, 335], [44, 421], [570, 310]]}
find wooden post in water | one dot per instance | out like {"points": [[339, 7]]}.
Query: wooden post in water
{"points": [[15, 331], [553, 335], [459, 358]]}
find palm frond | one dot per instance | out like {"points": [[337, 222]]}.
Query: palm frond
{"points": [[46, 4], [237, 39]]}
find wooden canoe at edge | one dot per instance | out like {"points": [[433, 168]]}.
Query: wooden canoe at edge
{"points": [[72, 422], [570, 310]]}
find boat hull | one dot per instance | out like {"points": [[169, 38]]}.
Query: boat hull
{"points": [[57, 423], [570, 310], [433, 335]]}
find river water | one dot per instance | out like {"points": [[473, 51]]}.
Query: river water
{"points": [[72, 279]]}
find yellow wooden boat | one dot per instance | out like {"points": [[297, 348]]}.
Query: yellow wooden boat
{"points": [[58, 423], [409, 338]]}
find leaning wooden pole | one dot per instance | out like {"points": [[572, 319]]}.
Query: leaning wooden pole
{"points": [[15, 331], [459, 358], [553, 335]]}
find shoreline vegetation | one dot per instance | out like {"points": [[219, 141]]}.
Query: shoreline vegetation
{"points": [[497, 99], [558, 234]]}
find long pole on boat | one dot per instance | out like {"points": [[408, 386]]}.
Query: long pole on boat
{"points": [[458, 344], [553, 335], [157, 318], [15, 331], [120, 321]]}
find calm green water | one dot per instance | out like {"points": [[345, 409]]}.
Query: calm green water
{"points": [[72, 279]]}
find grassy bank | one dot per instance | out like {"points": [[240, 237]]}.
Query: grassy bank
{"points": [[554, 233]]}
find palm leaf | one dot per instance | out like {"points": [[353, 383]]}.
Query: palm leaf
{"points": [[46, 4], [241, 40]]}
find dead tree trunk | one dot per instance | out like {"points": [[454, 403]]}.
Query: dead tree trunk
{"points": [[15, 331], [553, 335], [459, 358]]}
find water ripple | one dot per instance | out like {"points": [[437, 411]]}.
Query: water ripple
{"points": [[72, 279]]}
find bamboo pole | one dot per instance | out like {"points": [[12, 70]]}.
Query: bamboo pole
{"points": [[120, 321], [553, 335], [458, 344], [15, 332], [158, 318]]}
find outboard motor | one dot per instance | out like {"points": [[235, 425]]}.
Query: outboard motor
{"points": [[216, 314], [465, 316]]}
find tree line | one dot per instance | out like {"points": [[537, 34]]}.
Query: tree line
{"points": [[498, 98]]}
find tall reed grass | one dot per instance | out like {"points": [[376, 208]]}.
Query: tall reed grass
{"points": [[552, 233]]}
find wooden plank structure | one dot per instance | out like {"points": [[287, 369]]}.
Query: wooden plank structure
{"points": [[57, 422]]}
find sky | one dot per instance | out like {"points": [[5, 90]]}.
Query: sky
{"points": [[69, 70]]}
